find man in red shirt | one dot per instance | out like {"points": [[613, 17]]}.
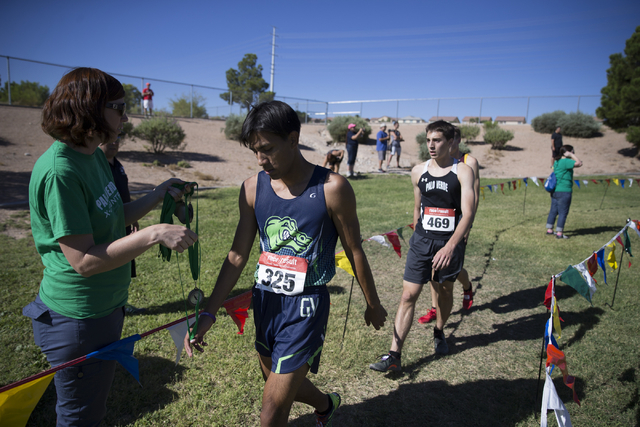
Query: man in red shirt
{"points": [[147, 103]]}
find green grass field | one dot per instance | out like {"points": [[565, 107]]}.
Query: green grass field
{"points": [[488, 379]]}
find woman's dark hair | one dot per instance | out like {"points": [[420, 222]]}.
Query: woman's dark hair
{"points": [[274, 117], [75, 109], [563, 150]]}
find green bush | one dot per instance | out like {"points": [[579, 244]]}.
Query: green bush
{"points": [[233, 127], [162, 133], [547, 122], [498, 137], [338, 127], [469, 133], [579, 125], [489, 125], [464, 148], [26, 93], [423, 153], [633, 135], [181, 107], [184, 164], [421, 138], [127, 132]]}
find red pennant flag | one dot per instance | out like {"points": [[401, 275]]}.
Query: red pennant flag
{"points": [[556, 357], [541, 180], [619, 240], [514, 184], [608, 181], [237, 308], [502, 187], [594, 181], [548, 295], [411, 226], [395, 241], [638, 181], [592, 264]]}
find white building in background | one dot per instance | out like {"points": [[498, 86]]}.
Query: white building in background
{"points": [[450, 119], [411, 120], [467, 119], [511, 120]]}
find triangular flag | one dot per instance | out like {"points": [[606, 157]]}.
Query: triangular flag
{"points": [[548, 294], [557, 358], [395, 241], [582, 268], [585, 182], [411, 226], [237, 308], [509, 185], [526, 181], [600, 258], [634, 225], [630, 182], [514, 182], [379, 239], [16, 404], [535, 180], [594, 181], [622, 183], [577, 182], [549, 338], [556, 318], [611, 258], [343, 262], [490, 189], [573, 278], [616, 181], [551, 401], [520, 183], [627, 243], [177, 332], [541, 180], [502, 187], [482, 191], [495, 187], [608, 181], [619, 240], [592, 264], [121, 351]]}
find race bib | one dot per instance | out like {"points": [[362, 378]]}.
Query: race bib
{"points": [[281, 274], [439, 219]]}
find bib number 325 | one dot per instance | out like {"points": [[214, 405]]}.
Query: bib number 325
{"points": [[281, 274], [439, 219]]}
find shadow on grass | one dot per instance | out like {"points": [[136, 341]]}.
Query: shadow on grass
{"points": [[168, 158], [438, 403], [127, 401], [593, 230]]}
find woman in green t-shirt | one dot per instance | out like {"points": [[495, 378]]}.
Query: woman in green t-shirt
{"points": [[563, 167], [78, 224]]}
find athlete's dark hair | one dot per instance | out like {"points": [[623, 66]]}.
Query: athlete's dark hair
{"points": [[563, 150], [456, 133], [75, 109], [446, 128], [273, 116]]}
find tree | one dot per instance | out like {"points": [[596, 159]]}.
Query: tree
{"points": [[620, 102], [26, 93], [182, 106], [133, 98], [246, 84]]}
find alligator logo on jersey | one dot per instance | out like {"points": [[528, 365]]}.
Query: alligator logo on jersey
{"points": [[284, 233]]}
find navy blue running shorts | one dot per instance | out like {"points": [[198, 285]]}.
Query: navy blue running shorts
{"points": [[291, 329], [419, 264]]}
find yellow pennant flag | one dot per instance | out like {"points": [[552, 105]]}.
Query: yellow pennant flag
{"points": [[519, 183], [556, 318], [17, 404], [616, 181], [482, 191], [611, 258], [343, 262]]}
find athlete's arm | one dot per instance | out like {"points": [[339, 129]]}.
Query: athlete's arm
{"points": [[416, 172], [234, 263], [442, 259], [341, 206]]}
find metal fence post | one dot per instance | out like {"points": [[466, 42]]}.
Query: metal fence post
{"points": [[480, 115], [397, 108], [326, 113], [9, 80], [192, 101], [527, 118], [306, 114], [438, 110], [142, 98], [578, 104]]}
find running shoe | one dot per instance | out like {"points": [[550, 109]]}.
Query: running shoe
{"points": [[439, 343], [129, 309], [467, 299], [429, 317], [327, 419], [387, 363]]}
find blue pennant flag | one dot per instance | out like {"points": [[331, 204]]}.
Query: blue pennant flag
{"points": [[490, 189], [121, 351], [600, 255], [526, 184], [622, 183], [577, 182]]}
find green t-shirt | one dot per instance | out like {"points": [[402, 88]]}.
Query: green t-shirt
{"points": [[564, 174], [71, 193]]}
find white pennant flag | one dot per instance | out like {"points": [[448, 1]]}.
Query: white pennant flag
{"points": [[379, 239], [585, 273], [535, 179], [551, 400], [630, 182], [585, 182], [177, 332], [495, 187], [633, 226]]}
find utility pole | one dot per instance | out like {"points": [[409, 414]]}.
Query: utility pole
{"points": [[273, 59]]}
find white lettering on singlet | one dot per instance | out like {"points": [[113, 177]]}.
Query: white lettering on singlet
{"points": [[439, 185], [307, 307]]}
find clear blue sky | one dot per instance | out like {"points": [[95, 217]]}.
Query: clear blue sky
{"points": [[336, 50]]}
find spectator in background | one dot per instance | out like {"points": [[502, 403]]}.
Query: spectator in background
{"points": [[147, 100], [381, 145], [556, 144], [121, 181], [352, 146], [561, 196], [396, 138], [333, 158]]}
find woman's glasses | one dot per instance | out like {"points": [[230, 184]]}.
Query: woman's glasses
{"points": [[120, 107]]}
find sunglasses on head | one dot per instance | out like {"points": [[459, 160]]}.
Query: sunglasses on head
{"points": [[120, 107]]}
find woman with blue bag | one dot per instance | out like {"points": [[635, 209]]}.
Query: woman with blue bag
{"points": [[563, 167]]}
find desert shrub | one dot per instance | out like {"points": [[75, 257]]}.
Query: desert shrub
{"points": [[464, 148], [469, 133], [127, 132], [233, 127], [161, 132], [489, 125], [547, 122], [498, 137], [633, 135], [184, 164], [181, 106], [579, 125], [421, 138], [338, 127], [423, 153]]}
